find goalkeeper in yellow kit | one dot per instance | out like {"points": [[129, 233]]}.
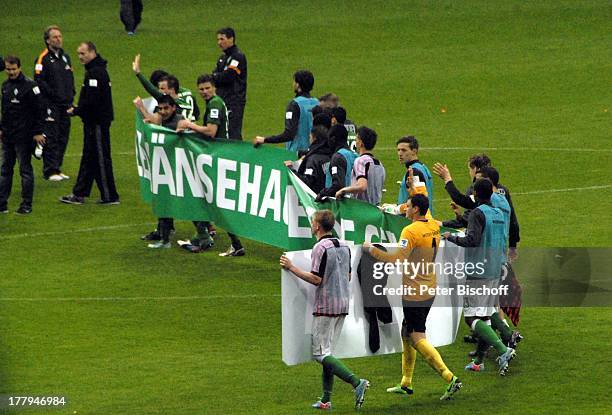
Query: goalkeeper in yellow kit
{"points": [[418, 244]]}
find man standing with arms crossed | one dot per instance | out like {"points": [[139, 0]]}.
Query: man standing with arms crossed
{"points": [[230, 77], [53, 74]]}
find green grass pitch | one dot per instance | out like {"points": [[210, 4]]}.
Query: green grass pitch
{"points": [[86, 311]]}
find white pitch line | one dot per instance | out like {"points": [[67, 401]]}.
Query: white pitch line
{"points": [[81, 230], [93, 299], [537, 192], [553, 149], [121, 153], [571, 189]]}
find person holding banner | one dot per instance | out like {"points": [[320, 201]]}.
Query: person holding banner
{"points": [[215, 125], [312, 168], [331, 273], [338, 172], [368, 175], [168, 85], [418, 244], [167, 116], [298, 116]]}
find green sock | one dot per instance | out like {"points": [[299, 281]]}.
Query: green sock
{"points": [[338, 369], [328, 383], [486, 333], [500, 325]]}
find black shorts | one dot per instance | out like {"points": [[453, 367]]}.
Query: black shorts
{"points": [[415, 316]]}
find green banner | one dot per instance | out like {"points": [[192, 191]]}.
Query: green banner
{"points": [[245, 190]]}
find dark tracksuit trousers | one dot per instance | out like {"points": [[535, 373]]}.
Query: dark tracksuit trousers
{"points": [[131, 14], [20, 151], [96, 163], [57, 133]]}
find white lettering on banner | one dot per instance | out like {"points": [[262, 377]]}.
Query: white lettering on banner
{"points": [[370, 231], [205, 159], [292, 213], [184, 170], [382, 235], [224, 183], [203, 179], [390, 237], [346, 225], [249, 188], [142, 157], [160, 159], [272, 196]]}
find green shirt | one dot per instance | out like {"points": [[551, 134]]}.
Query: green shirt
{"points": [[216, 113], [185, 101]]}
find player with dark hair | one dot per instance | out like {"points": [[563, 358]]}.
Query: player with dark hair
{"points": [[298, 115], [486, 236], [21, 125], [311, 170], [339, 117], [215, 125], [157, 76], [167, 116], [54, 75], [475, 163], [331, 273], [368, 175], [418, 244], [322, 119], [230, 76], [408, 154], [168, 85], [338, 174]]}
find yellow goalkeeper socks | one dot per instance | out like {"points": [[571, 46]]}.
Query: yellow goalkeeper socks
{"points": [[433, 359], [408, 360]]}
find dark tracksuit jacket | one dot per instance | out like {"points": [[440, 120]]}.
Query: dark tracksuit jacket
{"points": [[95, 108], [22, 119]]}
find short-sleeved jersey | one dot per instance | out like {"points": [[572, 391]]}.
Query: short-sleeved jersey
{"points": [[331, 261], [422, 238], [216, 113], [418, 245]]}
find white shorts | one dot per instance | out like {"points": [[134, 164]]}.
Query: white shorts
{"points": [[325, 333], [480, 305]]}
